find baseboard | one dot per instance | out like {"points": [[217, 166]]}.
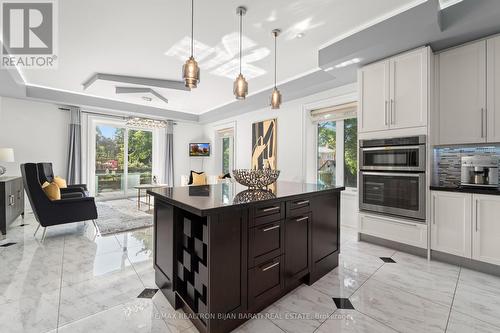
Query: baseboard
{"points": [[394, 245], [474, 265]]}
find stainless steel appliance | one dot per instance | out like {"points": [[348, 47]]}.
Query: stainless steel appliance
{"points": [[392, 176], [479, 170]]}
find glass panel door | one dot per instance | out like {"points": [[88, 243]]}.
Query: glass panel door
{"points": [[123, 160], [140, 158], [327, 152], [109, 160]]}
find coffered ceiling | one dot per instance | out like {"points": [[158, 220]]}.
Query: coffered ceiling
{"points": [[150, 38]]}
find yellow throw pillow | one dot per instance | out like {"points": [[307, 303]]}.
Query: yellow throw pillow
{"points": [[52, 191], [199, 179], [61, 182]]}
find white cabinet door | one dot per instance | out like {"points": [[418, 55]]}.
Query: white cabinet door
{"points": [[493, 132], [409, 89], [373, 83], [451, 223], [486, 228], [462, 94]]}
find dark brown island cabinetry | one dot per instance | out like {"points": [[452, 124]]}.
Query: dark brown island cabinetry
{"points": [[222, 259]]}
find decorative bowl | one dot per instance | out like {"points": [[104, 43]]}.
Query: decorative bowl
{"points": [[256, 179], [253, 195]]}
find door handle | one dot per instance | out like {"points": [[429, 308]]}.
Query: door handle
{"points": [[302, 219], [302, 202], [270, 266], [270, 209], [270, 228]]}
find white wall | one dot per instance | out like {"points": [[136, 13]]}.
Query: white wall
{"points": [[184, 133], [38, 132], [296, 135]]}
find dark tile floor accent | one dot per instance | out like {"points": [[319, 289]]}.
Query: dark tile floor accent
{"points": [[388, 260], [8, 244], [147, 293], [343, 303]]}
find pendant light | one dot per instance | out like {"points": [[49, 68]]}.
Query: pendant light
{"points": [[275, 95], [191, 70], [240, 88]]}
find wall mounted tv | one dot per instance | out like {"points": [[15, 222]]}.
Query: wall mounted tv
{"points": [[199, 149]]}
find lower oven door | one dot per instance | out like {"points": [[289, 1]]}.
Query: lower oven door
{"points": [[401, 194]]}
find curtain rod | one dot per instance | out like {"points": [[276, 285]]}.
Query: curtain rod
{"points": [[103, 114]]}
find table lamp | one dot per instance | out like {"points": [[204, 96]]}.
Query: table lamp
{"points": [[6, 155]]}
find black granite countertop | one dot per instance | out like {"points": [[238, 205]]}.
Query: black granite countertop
{"points": [[460, 189], [205, 199]]}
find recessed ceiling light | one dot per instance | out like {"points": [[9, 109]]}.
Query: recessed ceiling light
{"points": [[348, 63], [300, 35], [147, 99]]}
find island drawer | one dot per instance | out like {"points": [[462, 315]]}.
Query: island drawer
{"points": [[265, 242], [267, 213], [265, 282], [298, 207]]}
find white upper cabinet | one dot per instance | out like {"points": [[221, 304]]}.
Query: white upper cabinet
{"points": [[493, 65], [373, 83], [409, 89], [486, 228], [462, 94], [394, 92], [451, 220]]}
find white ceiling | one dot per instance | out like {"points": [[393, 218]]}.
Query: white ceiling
{"points": [[150, 38]]}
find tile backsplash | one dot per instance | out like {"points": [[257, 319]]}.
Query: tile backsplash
{"points": [[447, 162]]}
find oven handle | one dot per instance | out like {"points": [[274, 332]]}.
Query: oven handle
{"points": [[395, 174], [391, 148]]}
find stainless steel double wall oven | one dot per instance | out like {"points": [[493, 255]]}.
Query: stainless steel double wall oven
{"points": [[392, 176]]}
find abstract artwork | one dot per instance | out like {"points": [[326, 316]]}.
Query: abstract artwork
{"points": [[264, 144]]}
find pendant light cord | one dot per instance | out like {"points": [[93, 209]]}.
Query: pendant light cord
{"points": [[192, 28], [241, 28], [275, 56]]}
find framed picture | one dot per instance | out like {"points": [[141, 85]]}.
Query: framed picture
{"points": [[199, 149], [264, 144]]}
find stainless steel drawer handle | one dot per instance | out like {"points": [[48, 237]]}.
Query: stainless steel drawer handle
{"points": [[270, 209], [302, 202], [270, 228], [302, 219], [270, 266]]}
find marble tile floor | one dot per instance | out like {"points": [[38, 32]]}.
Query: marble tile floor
{"points": [[77, 281]]}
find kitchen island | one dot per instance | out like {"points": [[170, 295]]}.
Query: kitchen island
{"points": [[223, 252]]}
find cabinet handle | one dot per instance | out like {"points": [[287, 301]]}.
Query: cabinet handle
{"points": [[477, 212], [270, 209], [302, 202], [302, 219], [385, 113], [482, 122], [270, 266], [393, 121], [270, 228], [433, 210]]}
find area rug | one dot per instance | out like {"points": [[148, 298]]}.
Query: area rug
{"points": [[116, 216]]}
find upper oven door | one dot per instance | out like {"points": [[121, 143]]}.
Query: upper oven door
{"points": [[393, 158], [401, 194]]}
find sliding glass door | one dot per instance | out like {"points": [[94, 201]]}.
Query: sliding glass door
{"points": [[123, 159]]}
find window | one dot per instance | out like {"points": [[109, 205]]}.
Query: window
{"points": [[226, 155], [337, 145], [226, 150], [351, 152]]}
